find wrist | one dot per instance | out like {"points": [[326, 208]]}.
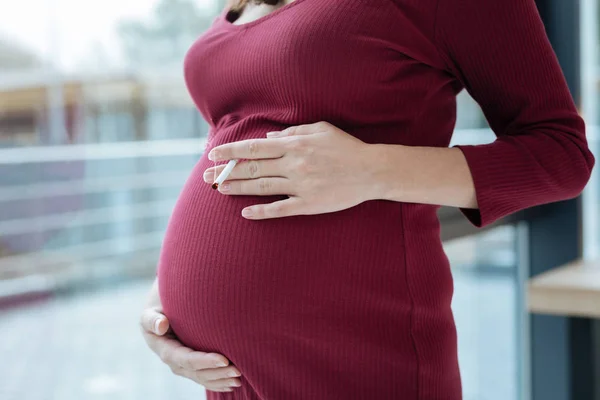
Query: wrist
{"points": [[379, 168]]}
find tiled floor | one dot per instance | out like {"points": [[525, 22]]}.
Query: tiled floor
{"points": [[84, 347], [88, 346]]}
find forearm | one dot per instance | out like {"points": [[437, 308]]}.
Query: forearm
{"points": [[426, 175]]}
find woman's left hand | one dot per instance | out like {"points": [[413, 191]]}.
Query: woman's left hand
{"points": [[320, 167]]}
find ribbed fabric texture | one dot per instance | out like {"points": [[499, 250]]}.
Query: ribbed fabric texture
{"points": [[500, 53], [356, 304]]}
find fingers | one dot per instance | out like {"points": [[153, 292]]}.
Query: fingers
{"points": [[204, 377], [174, 354], [250, 169], [195, 360], [248, 149], [300, 130], [257, 187], [277, 209], [204, 368], [216, 382], [209, 369], [265, 148], [163, 346], [154, 322], [218, 373], [223, 385]]}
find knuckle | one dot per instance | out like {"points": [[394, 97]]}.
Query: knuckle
{"points": [[183, 358], [295, 143], [252, 169], [264, 185], [189, 364], [200, 377], [303, 166], [185, 364], [259, 212], [202, 363], [276, 210], [165, 356], [253, 147], [193, 365], [322, 125]]}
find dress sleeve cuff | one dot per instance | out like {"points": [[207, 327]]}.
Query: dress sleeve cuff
{"points": [[492, 185]]}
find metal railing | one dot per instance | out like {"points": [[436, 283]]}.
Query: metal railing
{"points": [[97, 221]]}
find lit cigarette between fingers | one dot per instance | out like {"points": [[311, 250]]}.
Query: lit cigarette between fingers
{"points": [[224, 174]]}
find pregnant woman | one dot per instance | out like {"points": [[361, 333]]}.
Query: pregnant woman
{"points": [[316, 271]]}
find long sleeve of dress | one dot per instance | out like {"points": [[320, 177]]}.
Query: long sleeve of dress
{"points": [[500, 53]]}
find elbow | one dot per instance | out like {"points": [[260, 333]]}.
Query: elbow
{"points": [[580, 175]]}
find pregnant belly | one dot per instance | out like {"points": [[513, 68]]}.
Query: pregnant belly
{"points": [[227, 283]]}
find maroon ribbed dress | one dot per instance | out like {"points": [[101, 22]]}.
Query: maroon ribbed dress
{"points": [[356, 304]]}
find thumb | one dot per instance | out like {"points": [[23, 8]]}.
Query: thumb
{"points": [[154, 322]]}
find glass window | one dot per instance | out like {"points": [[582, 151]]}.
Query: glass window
{"points": [[109, 83], [103, 84], [590, 42], [468, 113], [471, 125], [488, 311]]}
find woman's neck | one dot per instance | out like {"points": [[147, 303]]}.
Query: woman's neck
{"points": [[252, 11]]}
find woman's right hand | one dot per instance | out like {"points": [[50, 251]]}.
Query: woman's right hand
{"points": [[211, 370]]}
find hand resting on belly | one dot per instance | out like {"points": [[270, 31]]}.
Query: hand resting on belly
{"points": [[208, 369]]}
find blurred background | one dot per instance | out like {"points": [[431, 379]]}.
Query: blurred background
{"points": [[98, 134]]}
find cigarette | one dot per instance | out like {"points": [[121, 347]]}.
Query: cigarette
{"points": [[224, 174]]}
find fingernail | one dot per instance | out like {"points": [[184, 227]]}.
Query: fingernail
{"points": [[220, 364], [273, 134], [224, 187], [157, 324], [208, 177], [247, 212], [233, 374]]}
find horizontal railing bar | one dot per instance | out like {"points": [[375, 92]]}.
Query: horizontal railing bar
{"points": [[40, 282], [101, 151], [86, 217], [93, 185], [79, 253], [35, 283]]}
